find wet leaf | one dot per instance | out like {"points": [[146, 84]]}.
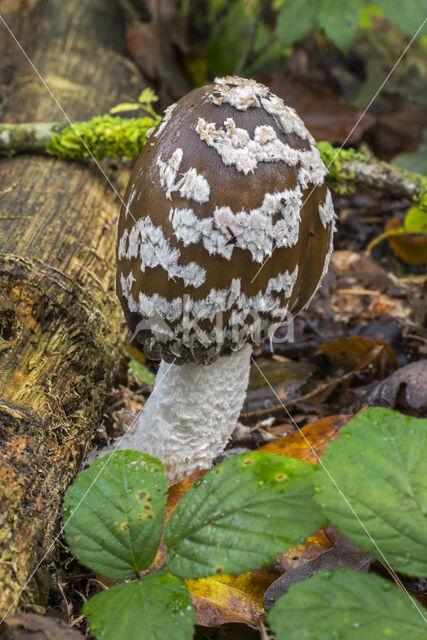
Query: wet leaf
{"points": [[404, 389], [288, 378], [345, 604], [311, 549], [379, 462], [225, 598], [352, 351], [311, 441], [157, 606], [219, 526], [343, 554], [120, 501]]}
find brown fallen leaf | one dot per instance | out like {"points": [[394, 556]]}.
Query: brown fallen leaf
{"points": [[175, 493], [325, 114], [410, 247], [405, 389], [344, 553], [356, 352], [311, 549], [288, 378], [311, 441], [152, 45], [29, 626]]}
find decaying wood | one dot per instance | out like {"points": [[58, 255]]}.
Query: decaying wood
{"points": [[349, 171], [60, 324]]}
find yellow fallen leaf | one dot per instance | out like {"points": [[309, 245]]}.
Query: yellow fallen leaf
{"points": [[310, 441], [221, 599]]}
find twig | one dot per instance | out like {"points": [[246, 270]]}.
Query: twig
{"points": [[106, 136]]}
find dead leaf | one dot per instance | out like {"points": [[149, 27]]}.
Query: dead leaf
{"points": [[288, 379], [399, 131], [29, 626], [325, 114], [152, 46], [410, 247], [343, 554], [311, 441], [311, 549], [175, 493], [405, 389], [356, 352], [221, 599]]}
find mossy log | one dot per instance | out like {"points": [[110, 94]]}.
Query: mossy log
{"points": [[60, 325], [349, 171]]}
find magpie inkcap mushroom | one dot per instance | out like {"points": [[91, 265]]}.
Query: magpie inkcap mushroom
{"points": [[225, 235]]}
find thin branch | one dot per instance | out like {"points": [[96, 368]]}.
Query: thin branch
{"points": [[106, 136]]}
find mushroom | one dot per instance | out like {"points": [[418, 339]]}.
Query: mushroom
{"points": [[225, 235]]}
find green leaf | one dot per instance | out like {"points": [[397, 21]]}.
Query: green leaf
{"points": [[345, 605], [228, 40], [125, 106], [241, 514], [141, 373], [155, 607], [340, 20], [114, 513], [296, 19], [415, 221], [416, 161], [147, 96], [408, 14], [379, 462]]}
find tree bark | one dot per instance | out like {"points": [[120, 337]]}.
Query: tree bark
{"points": [[60, 325]]}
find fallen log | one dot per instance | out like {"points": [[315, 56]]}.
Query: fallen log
{"points": [[60, 324]]}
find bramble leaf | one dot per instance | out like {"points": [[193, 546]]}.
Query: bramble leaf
{"points": [[114, 513], [157, 606], [379, 463], [340, 20], [345, 604], [241, 514], [296, 19]]}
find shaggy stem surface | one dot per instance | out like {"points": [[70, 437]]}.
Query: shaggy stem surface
{"points": [[191, 413]]}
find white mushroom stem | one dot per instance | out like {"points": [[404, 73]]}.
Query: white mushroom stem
{"points": [[191, 413]]}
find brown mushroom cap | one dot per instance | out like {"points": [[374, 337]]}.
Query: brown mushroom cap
{"points": [[228, 224]]}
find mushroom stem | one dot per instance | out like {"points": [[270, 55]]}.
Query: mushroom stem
{"points": [[191, 413]]}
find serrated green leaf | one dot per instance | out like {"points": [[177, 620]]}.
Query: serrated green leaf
{"points": [[241, 515], [379, 462], [346, 605], [296, 19], [155, 607], [408, 15], [114, 513], [340, 20]]}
